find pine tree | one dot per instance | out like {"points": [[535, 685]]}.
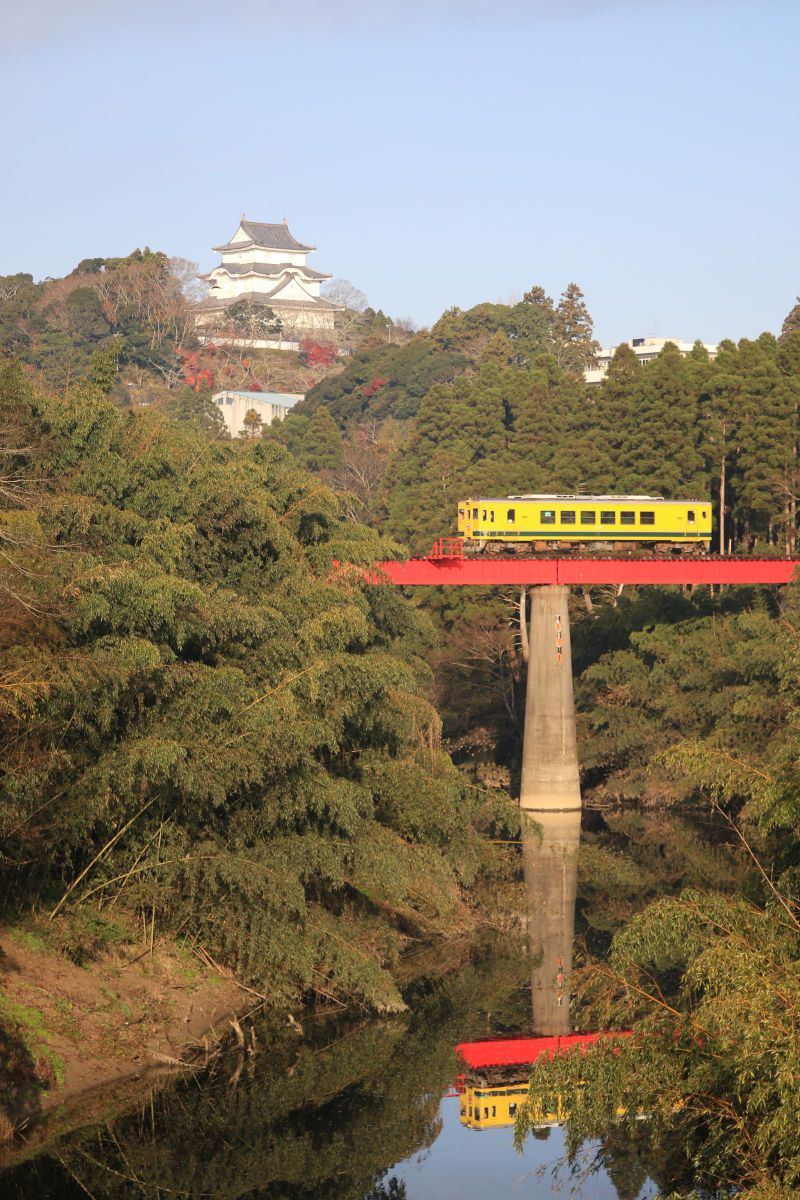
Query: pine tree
{"points": [[322, 447], [659, 450], [573, 331]]}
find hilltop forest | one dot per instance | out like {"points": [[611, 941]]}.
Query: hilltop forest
{"points": [[208, 719]]}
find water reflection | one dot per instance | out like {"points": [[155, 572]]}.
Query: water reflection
{"points": [[367, 1108], [551, 881]]}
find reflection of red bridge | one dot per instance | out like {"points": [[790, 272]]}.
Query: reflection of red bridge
{"points": [[447, 569], [516, 1052]]}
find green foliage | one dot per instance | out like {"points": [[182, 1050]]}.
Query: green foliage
{"points": [[224, 726], [711, 986]]}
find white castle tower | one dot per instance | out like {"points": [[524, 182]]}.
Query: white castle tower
{"points": [[265, 265]]}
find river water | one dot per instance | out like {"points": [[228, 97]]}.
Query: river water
{"points": [[355, 1108]]}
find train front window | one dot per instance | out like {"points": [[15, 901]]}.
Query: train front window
{"points": [[548, 516], [568, 516], [608, 517], [647, 518], [627, 518], [588, 518], [511, 515]]}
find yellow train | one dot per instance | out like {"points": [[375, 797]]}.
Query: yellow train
{"points": [[492, 1107], [610, 522]]}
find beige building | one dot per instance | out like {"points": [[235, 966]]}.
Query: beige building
{"points": [[645, 349], [266, 265], [234, 405]]}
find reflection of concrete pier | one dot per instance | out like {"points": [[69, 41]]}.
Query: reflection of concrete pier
{"points": [[551, 875], [549, 753]]}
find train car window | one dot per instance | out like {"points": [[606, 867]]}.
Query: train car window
{"points": [[568, 516], [461, 513], [486, 1114], [647, 518], [512, 1109], [511, 515], [548, 516], [588, 518], [494, 1110], [690, 515], [607, 517], [627, 518], [474, 514], [705, 514], [491, 516], [483, 515]]}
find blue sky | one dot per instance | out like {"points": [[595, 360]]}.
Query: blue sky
{"points": [[438, 153]]}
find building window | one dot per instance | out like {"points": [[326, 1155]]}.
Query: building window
{"points": [[607, 517], [627, 518], [647, 518], [511, 515], [588, 518], [548, 516], [568, 516]]}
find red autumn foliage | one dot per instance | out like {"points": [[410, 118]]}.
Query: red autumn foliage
{"points": [[195, 375], [374, 385], [316, 354]]}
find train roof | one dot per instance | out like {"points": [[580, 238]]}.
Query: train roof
{"points": [[584, 499]]}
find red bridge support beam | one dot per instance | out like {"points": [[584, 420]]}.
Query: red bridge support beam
{"points": [[522, 572]]}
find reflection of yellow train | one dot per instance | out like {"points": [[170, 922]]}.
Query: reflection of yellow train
{"points": [[620, 520], [491, 1107]]}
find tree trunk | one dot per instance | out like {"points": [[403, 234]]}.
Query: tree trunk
{"points": [[523, 624]]}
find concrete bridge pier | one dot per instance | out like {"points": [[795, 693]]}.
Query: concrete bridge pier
{"points": [[550, 780]]}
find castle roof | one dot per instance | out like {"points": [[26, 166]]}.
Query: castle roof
{"points": [[266, 236], [210, 304], [268, 269]]}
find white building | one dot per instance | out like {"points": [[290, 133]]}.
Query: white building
{"points": [[645, 349], [265, 264], [233, 406]]}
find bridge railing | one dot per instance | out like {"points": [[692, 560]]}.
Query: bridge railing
{"points": [[447, 547]]}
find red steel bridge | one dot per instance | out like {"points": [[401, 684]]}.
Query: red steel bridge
{"points": [[447, 565]]}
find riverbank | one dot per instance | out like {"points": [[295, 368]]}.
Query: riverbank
{"points": [[85, 1008]]}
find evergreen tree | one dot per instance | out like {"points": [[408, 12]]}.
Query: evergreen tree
{"points": [[252, 425], [321, 448], [659, 451], [573, 331]]}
